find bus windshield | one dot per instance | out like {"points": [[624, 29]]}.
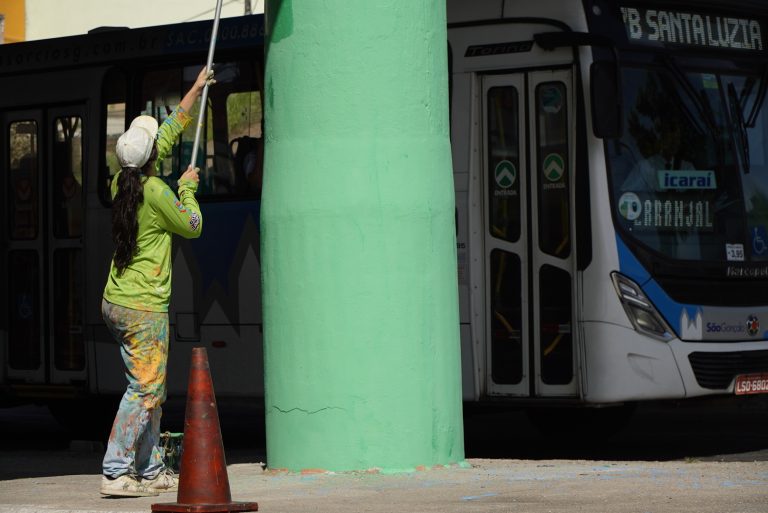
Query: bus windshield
{"points": [[689, 175]]}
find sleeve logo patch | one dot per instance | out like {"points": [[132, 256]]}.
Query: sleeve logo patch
{"points": [[194, 221]]}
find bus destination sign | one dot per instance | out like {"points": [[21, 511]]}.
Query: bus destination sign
{"points": [[656, 26]]}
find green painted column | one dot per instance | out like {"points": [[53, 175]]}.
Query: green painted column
{"points": [[361, 328]]}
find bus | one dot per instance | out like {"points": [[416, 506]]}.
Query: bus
{"points": [[65, 102], [609, 160], [611, 176]]}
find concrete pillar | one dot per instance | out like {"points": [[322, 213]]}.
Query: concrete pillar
{"points": [[362, 360]]}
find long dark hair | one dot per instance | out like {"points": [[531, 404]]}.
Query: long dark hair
{"points": [[125, 221]]}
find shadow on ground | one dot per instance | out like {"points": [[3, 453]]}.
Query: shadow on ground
{"points": [[34, 444], [732, 429]]}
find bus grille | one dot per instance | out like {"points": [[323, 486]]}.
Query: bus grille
{"points": [[717, 370]]}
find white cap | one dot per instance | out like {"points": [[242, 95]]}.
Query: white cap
{"points": [[135, 146]]}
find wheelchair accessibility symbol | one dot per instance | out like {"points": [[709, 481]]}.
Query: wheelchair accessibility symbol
{"points": [[759, 240], [24, 305]]}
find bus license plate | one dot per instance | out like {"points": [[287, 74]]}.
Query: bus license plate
{"points": [[751, 384]]}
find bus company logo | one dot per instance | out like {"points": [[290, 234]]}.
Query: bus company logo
{"points": [[753, 325], [724, 327], [686, 180], [630, 206], [505, 175], [691, 328]]}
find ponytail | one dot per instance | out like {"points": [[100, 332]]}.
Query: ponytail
{"points": [[125, 221], [125, 211]]}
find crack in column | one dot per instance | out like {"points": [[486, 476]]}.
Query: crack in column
{"points": [[308, 412]]}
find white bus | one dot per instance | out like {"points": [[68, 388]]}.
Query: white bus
{"points": [[611, 172]]}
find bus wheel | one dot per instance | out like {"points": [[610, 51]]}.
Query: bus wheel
{"points": [[582, 423]]}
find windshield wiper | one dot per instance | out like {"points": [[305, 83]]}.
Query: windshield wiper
{"points": [[752, 119], [738, 111], [704, 109]]}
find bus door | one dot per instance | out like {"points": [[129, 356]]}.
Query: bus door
{"points": [[529, 263], [44, 275]]}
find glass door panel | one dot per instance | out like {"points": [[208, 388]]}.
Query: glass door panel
{"points": [[44, 280], [506, 239], [551, 254], [527, 173], [22, 284], [66, 172]]}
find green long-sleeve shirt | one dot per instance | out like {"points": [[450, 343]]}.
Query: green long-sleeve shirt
{"points": [[146, 283]]}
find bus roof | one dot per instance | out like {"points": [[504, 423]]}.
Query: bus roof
{"points": [[115, 44]]}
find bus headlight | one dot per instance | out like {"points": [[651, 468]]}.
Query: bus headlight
{"points": [[641, 312]]}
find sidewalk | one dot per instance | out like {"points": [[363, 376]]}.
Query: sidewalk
{"points": [[68, 483], [705, 459]]}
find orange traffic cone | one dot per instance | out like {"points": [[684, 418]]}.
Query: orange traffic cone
{"points": [[203, 480]]}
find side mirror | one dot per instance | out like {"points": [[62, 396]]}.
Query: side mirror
{"points": [[607, 121]]}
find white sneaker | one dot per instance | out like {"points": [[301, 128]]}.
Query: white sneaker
{"points": [[165, 481], [126, 486]]}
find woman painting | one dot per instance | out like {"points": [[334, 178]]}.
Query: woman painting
{"points": [[145, 214]]}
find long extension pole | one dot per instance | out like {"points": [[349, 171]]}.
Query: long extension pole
{"points": [[204, 97]]}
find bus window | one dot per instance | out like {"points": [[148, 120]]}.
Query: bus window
{"points": [[555, 343], [556, 348], [67, 181], [504, 163], [24, 328], [507, 334], [244, 129], [114, 113], [229, 154], [23, 185], [504, 203], [749, 121], [160, 94], [67, 177], [68, 346], [676, 180], [552, 144]]}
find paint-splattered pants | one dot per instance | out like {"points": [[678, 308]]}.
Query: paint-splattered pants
{"points": [[133, 443]]}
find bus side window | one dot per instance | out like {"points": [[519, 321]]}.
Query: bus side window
{"points": [[229, 154], [23, 180], [246, 142], [553, 174], [160, 94], [113, 111], [115, 114], [233, 132], [67, 153]]}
